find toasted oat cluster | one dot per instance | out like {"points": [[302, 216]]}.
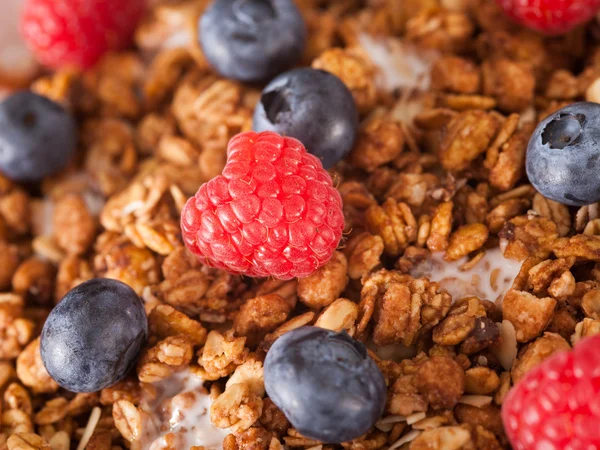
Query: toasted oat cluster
{"points": [[457, 275]]}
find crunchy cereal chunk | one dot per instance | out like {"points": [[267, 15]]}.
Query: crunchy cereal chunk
{"points": [[468, 135], [237, 408], [460, 322], [379, 142], [401, 306], [455, 74], [581, 246], [529, 237], [542, 274], [259, 316], [356, 71], [31, 370], [587, 327], [35, 279], [128, 389], [554, 211], [74, 225], [221, 354], [9, 262], [510, 82], [441, 226], [529, 314], [165, 321], [341, 315], [487, 417], [509, 166], [441, 381], [412, 188], [481, 381], [590, 303], [442, 438], [496, 219], [536, 352], [326, 284], [72, 271], [363, 252], [128, 420], [394, 223], [465, 240]]}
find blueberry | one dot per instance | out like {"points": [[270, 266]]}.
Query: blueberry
{"points": [[325, 384], [563, 155], [93, 337], [312, 106], [37, 137], [252, 40]]}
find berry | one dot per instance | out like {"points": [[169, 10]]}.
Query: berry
{"points": [[93, 337], [78, 32], [37, 137], [272, 212], [312, 106], [563, 159], [252, 40], [556, 405], [325, 384], [550, 16]]}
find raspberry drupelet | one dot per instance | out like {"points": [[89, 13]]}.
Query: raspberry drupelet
{"points": [[556, 406], [272, 212]]}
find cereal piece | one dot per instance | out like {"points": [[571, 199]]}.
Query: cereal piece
{"points": [[72, 271], [9, 262], [465, 240], [497, 217], [441, 381], [481, 381], [75, 227], [447, 438], [460, 322], [394, 223], [580, 246], [468, 135], [31, 370], [322, 287], [341, 315], [357, 72], [441, 226], [509, 167], [237, 408], [27, 441], [379, 142], [529, 314], [455, 74], [511, 83], [165, 321], [259, 316], [536, 352], [363, 253], [529, 237], [221, 354], [35, 278], [554, 211], [587, 327], [487, 417]]}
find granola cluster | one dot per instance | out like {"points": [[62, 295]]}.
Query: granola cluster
{"points": [[449, 92]]}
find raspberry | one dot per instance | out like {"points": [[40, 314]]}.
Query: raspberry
{"points": [[78, 32], [550, 16], [272, 212], [556, 406]]}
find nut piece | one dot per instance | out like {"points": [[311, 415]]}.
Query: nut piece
{"points": [[363, 253], [481, 381], [536, 352], [75, 228], [530, 237], [394, 223], [326, 284], [441, 226], [340, 315], [441, 381], [379, 142], [529, 314]]}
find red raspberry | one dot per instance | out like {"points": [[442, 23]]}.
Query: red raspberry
{"points": [[550, 16], [78, 32], [556, 406], [272, 212]]}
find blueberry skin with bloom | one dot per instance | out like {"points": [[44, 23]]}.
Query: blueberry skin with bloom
{"points": [[325, 383], [93, 337], [37, 137], [252, 40], [312, 106], [563, 155]]}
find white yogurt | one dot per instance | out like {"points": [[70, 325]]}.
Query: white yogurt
{"points": [[179, 415], [489, 279]]}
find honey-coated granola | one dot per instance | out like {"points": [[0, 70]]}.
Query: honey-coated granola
{"points": [[438, 167]]}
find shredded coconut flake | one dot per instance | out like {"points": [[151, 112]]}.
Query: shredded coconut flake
{"points": [[404, 439], [90, 427], [403, 65]]}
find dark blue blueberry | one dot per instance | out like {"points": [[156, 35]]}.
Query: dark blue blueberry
{"points": [[563, 155], [312, 106], [325, 383], [252, 40], [93, 337], [37, 137]]}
